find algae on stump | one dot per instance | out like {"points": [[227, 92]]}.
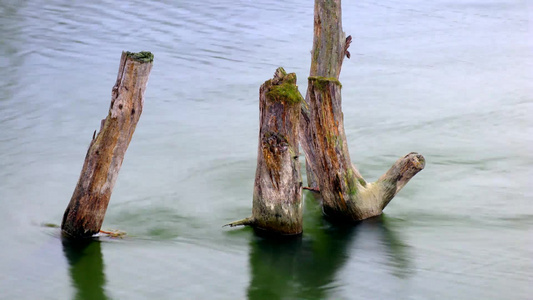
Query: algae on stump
{"points": [[277, 203], [346, 195]]}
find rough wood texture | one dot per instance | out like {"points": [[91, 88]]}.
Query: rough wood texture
{"points": [[277, 204], [328, 40], [85, 213], [327, 55], [346, 195]]}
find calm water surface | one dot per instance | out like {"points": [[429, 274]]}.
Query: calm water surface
{"points": [[450, 79]]}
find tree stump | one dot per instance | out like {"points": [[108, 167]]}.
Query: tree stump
{"points": [[85, 213], [277, 203], [346, 195]]}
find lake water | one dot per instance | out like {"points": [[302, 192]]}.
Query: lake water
{"points": [[451, 79]]}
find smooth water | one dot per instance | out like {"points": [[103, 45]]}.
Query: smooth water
{"points": [[450, 79]]}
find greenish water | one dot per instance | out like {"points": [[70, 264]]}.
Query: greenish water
{"points": [[449, 79]]}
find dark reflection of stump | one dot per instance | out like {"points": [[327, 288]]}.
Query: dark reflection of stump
{"points": [[306, 267], [397, 251], [86, 268]]}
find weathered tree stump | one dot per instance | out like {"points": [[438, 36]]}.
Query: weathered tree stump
{"points": [[85, 212], [346, 195], [327, 56], [277, 197]]}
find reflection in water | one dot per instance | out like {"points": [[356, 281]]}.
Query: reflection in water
{"points": [[9, 48], [397, 251], [305, 267], [86, 268]]}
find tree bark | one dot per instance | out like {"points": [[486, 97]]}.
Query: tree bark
{"points": [[277, 203], [327, 56], [85, 212], [346, 195]]}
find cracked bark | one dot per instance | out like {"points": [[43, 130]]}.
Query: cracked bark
{"points": [[277, 203], [85, 212], [346, 195]]}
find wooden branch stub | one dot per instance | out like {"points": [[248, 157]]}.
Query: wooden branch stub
{"points": [[311, 189], [85, 213], [244, 222], [347, 45], [398, 175]]}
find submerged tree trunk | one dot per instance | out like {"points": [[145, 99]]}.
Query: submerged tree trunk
{"points": [[346, 195], [277, 204], [85, 213]]}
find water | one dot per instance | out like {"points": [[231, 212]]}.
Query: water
{"points": [[449, 79]]}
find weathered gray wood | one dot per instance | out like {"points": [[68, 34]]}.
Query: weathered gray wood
{"points": [[277, 203], [329, 48], [346, 195], [85, 212], [329, 41]]}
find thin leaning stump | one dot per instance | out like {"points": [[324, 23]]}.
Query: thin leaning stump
{"points": [[85, 213], [277, 204], [346, 195]]}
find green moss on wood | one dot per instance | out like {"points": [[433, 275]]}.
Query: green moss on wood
{"points": [[314, 63], [350, 182], [330, 5], [286, 91], [322, 82], [290, 79], [143, 56]]}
